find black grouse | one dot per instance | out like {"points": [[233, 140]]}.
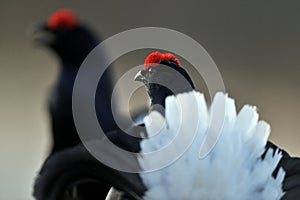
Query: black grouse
{"points": [[72, 41], [161, 80], [269, 166]]}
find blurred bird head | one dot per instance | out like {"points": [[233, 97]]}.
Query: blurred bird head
{"points": [[64, 34], [163, 76]]}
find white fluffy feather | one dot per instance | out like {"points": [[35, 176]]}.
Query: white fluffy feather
{"points": [[233, 170]]}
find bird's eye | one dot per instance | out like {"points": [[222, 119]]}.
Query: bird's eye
{"points": [[151, 71]]}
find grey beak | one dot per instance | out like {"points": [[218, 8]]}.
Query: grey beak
{"points": [[38, 27], [140, 77], [41, 34]]}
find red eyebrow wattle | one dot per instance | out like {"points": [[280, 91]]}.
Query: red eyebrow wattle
{"points": [[63, 18], [156, 58]]}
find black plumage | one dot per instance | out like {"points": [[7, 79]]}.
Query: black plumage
{"points": [[291, 166], [74, 174], [72, 41]]}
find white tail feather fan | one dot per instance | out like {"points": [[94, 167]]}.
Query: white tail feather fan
{"points": [[233, 170]]}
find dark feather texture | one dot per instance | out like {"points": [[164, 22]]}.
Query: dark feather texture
{"points": [[71, 42]]}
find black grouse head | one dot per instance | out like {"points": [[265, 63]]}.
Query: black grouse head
{"points": [[64, 34], [164, 76]]}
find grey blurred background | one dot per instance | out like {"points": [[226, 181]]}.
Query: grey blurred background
{"points": [[255, 45]]}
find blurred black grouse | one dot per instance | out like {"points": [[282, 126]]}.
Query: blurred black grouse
{"points": [[72, 41]]}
